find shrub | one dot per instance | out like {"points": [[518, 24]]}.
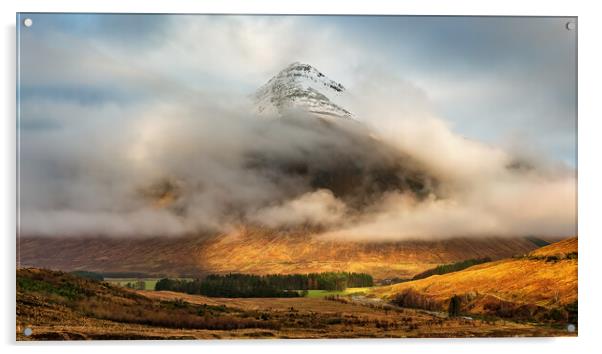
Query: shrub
{"points": [[412, 299], [88, 275], [572, 312]]}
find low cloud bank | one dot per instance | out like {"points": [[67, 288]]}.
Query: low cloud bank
{"points": [[185, 166]]}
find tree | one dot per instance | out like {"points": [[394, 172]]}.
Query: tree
{"points": [[454, 306], [573, 310]]}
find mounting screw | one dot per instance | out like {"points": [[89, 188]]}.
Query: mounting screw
{"points": [[27, 22], [570, 25]]}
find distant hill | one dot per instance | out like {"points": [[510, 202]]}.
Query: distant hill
{"points": [[531, 285], [257, 251]]}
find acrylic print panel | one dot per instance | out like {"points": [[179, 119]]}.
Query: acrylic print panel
{"points": [[221, 176]]}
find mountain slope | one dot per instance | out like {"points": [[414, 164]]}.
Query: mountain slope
{"points": [[506, 285], [560, 249], [257, 250]]}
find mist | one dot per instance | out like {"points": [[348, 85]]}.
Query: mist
{"points": [[183, 167], [131, 133]]}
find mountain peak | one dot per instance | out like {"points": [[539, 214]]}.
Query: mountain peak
{"points": [[301, 86]]}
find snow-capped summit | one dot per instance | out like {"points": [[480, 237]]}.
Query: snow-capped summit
{"points": [[301, 86]]}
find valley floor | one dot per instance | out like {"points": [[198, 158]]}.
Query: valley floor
{"points": [[295, 318], [491, 298]]}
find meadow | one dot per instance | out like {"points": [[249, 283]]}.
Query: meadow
{"points": [[317, 294], [137, 283]]}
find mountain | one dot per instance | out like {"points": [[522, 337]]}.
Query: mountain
{"points": [[257, 250], [334, 152], [541, 284], [301, 86], [341, 157]]}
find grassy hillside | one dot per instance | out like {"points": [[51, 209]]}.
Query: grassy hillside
{"points": [[61, 306], [562, 249], [257, 251], [532, 284], [72, 307], [452, 267]]}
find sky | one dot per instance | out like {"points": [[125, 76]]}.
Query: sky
{"points": [[494, 79], [111, 104]]}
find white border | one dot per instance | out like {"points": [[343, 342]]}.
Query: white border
{"points": [[590, 177]]}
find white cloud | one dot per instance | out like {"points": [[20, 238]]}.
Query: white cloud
{"points": [[184, 118], [319, 208]]}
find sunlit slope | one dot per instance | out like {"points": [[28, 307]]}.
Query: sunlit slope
{"points": [[260, 251], [560, 249], [264, 251], [531, 279]]}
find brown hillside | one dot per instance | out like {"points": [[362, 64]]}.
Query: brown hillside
{"points": [[257, 251], [560, 249], [529, 280]]}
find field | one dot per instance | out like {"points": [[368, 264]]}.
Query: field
{"points": [[323, 293], [532, 294], [59, 306], [149, 283]]}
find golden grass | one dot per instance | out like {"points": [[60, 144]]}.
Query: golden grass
{"points": [[561, 248], [520, 280], [260, 251]]}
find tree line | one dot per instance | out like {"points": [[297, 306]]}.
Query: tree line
{"points": [[273, 285], [320, 281], [452, 267]]}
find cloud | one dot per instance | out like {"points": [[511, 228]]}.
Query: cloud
{"points": [[510, 208], [219, 167], [158, 139], [319, 208]]}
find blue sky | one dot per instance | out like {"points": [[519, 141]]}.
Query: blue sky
{"points": [[503, 81]]}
